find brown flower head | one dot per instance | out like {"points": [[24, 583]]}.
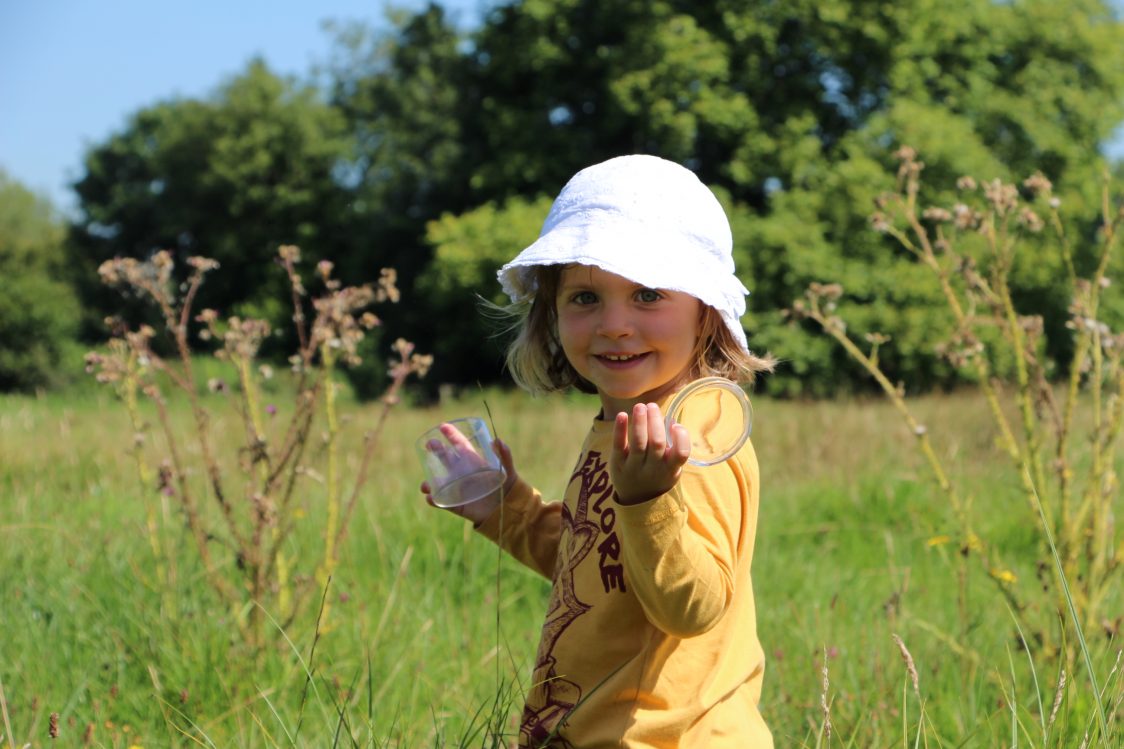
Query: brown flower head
{"points": [[1037, 184]]}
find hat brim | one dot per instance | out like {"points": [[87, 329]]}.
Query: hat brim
{"points": [[614, 247]]}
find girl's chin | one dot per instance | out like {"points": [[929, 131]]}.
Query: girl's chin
{"points": [[632, 394]]}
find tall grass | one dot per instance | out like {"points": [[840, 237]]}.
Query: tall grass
{"points": [[432, 635]]}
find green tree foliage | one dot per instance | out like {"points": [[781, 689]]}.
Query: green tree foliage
{"points": [[794, 108], [402, 95], [38, 311], [790, 111], [468, 250], [231, 177]]}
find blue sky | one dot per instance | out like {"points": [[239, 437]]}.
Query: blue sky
{"points": [[71, 71]]}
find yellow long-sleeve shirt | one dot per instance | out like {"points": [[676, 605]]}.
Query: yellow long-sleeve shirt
{"points": [[650, 638]]}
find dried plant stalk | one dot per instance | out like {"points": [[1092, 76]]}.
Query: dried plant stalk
{"points": [[978, 295], [252, 527]]}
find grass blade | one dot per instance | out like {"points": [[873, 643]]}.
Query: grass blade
{"points": [[1102, 723]]}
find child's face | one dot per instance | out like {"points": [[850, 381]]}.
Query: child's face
{"points": [[633, 343]]}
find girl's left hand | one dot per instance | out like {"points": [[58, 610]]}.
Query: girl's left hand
{"points": [[643, 465]]}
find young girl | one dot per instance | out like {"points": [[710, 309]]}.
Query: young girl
{"points": [[650, 638]]}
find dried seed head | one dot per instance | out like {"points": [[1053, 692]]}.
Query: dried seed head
{"points": [[829, 291], [388, 289], [966, 183], [824, 705], [1032, 324], [1059, 692], [110, 271], [403, 347], [202, 264], [965, 217], [420, 364], [53, 726], [937, 215], [1030, 220], [1003, 197], [243, 338], [1037, 184], [264, 509], [905, 153], [908, 664]]}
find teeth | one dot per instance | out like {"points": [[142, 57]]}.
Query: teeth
{"points": [[619, 357]]}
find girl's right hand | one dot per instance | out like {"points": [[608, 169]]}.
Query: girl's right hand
{"points": [[482, 509]]}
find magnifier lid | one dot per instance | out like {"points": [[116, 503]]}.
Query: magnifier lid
{"points": [[718, 417]]}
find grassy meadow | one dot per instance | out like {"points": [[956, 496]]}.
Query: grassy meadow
{"points": [[430, 633]]}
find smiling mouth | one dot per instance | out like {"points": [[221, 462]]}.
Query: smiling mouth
{"points": [[620, 358]]}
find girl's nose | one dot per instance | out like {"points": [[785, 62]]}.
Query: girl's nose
{"points": [[615, 322]]}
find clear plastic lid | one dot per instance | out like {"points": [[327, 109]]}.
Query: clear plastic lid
{"points": [[718, 418]]}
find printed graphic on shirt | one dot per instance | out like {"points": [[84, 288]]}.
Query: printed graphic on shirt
{"points": [[552, 696]]}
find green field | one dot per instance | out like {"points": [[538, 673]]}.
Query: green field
{"points": [[430, 633]]}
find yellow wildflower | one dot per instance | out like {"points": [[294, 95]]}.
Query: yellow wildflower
{"points": [[1004, 576]]}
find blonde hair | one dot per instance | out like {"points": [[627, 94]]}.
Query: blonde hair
{"points": [[538, 364]]}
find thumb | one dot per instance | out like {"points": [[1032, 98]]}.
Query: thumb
{"points": [[500, 448]]}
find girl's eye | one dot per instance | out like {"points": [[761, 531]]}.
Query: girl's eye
{"points": [[648, 295], [584, 297]]}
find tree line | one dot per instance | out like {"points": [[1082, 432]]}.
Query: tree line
{"points": [[436, 151]]}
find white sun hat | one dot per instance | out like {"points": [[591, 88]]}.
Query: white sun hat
{"points": [[647, 219]]}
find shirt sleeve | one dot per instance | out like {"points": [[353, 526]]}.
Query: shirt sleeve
{"points": [[526, 527], [681, 549]]}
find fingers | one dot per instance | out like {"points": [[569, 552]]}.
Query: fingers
{"points": [[436, 448], [642, 434], [643, 464], [456, 438], [657, 438], [457, 452], [503, 452], [428, 494], [680, 445], [638, 429], [620, 435]]}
